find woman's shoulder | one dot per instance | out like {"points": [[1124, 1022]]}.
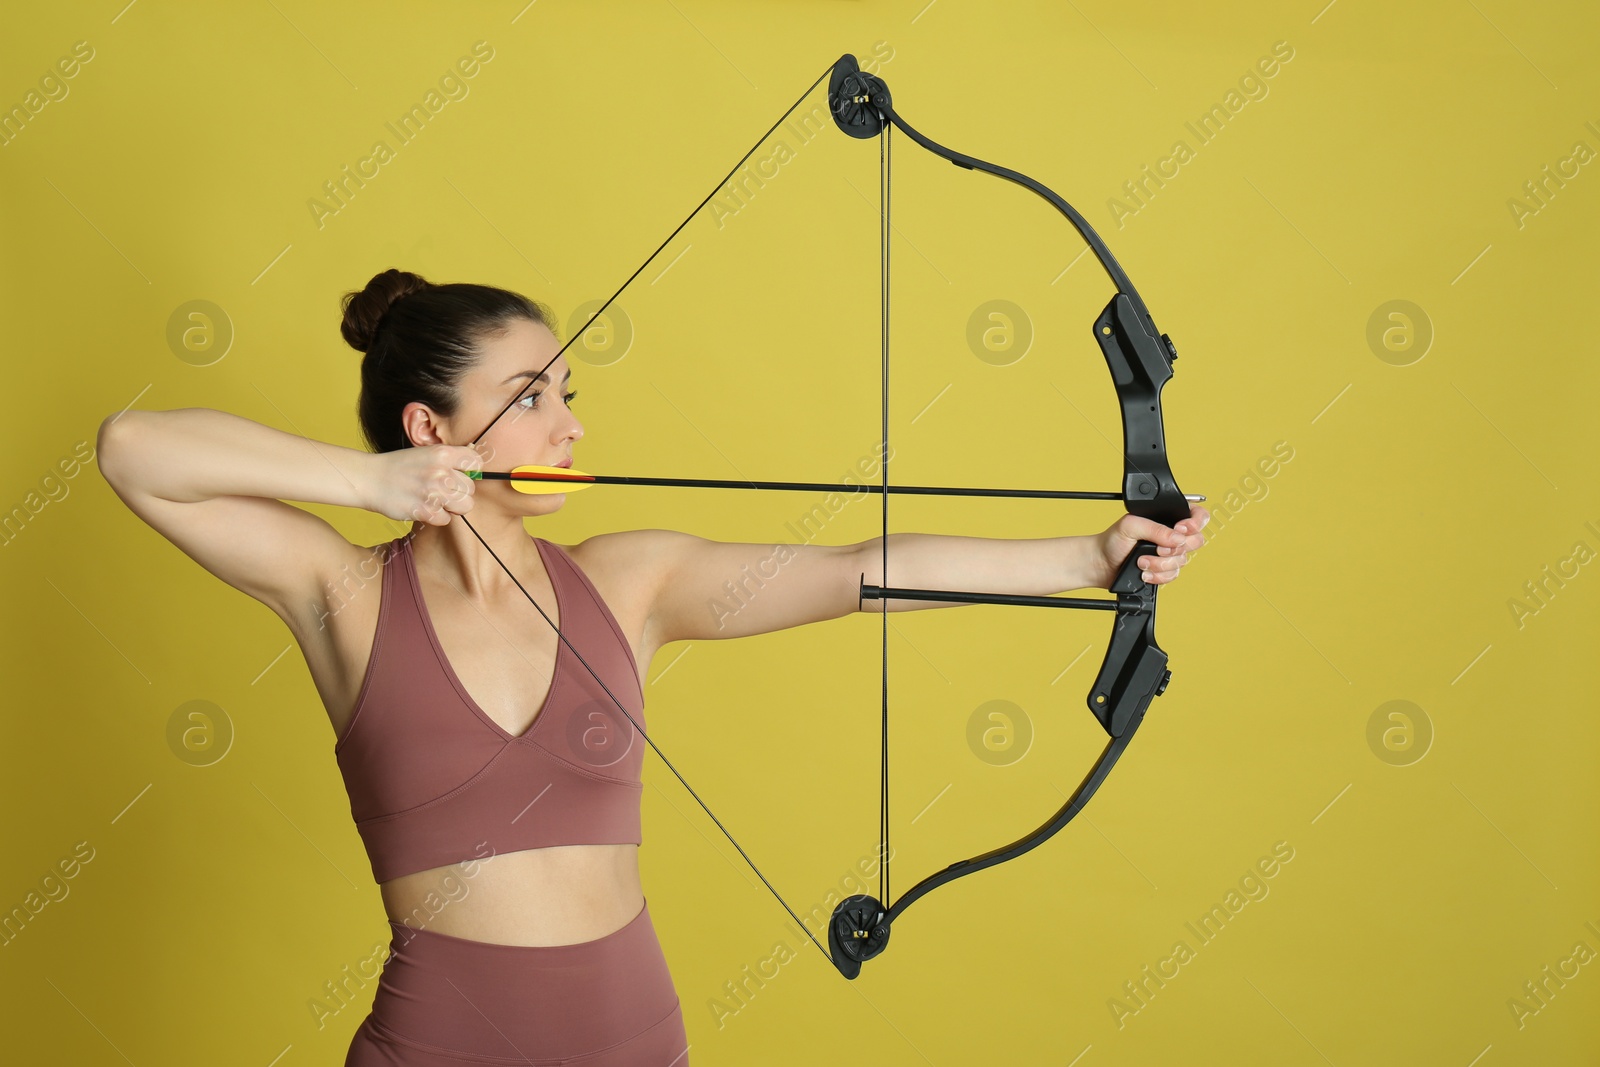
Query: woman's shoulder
{"points": [[630, 557]]}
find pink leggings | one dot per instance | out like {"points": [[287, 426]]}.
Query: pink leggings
{"points": [[443, 1001]]}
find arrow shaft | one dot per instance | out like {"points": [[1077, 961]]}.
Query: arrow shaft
{"points": [[807, 487]]}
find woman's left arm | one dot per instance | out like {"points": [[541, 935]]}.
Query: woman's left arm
{"points": [[712, 589], [1038, 567]]}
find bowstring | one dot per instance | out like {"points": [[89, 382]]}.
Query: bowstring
{"points": [[544, 615]]}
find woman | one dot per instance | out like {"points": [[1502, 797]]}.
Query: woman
{"points": [[494, 783]]}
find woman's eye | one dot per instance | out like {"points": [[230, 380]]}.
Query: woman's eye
{"points": [[531, 401]]}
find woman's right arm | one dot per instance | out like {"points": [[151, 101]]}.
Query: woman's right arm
{"points": [[214, 484]]}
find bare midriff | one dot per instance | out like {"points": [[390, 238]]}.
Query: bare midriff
{"points": [[562, 895]]}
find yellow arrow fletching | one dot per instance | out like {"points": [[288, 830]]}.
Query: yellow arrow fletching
{"points": [[546, 480]]}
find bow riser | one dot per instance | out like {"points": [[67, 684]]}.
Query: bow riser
{"points": [[1134, 671]]}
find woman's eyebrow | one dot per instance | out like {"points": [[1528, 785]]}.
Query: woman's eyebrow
{"points": [[542, 376]]}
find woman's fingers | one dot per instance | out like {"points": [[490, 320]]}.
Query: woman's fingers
{"points": [[1156, 572], [1165, 538], [1173, 543], [1189, 529]]}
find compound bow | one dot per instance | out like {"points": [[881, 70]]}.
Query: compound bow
{"points": [[1134, 670]]}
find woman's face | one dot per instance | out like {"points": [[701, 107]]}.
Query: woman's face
{"points": [[539, 429]]}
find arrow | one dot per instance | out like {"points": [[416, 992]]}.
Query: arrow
{"points": [[537, 480]]}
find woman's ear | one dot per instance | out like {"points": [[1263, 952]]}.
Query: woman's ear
{"points": [[422, 426]]}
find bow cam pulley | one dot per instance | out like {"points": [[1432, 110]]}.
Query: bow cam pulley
{"points": [[859, 101], [859, 931]]}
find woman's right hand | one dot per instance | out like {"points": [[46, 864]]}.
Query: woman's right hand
{"points": [[424, 483]]}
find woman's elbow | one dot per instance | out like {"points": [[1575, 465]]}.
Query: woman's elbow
{"points": [[111, 444]]}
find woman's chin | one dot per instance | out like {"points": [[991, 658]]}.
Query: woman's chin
{"points": [[545, 504]]}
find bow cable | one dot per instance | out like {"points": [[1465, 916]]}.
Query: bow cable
{"points": [[883, 282]]}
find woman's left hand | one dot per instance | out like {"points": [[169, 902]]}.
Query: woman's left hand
{"points": [[1173, 544]]}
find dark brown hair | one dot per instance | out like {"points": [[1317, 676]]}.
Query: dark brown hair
{"points": [[420, 339]]}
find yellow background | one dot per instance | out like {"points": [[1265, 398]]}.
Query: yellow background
{"points": [[1378, 564]]}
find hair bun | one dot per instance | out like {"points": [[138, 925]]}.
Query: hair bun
{"points": [[363, 311]]}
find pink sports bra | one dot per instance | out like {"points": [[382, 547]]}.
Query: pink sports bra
{"points": [[433, 780]]}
